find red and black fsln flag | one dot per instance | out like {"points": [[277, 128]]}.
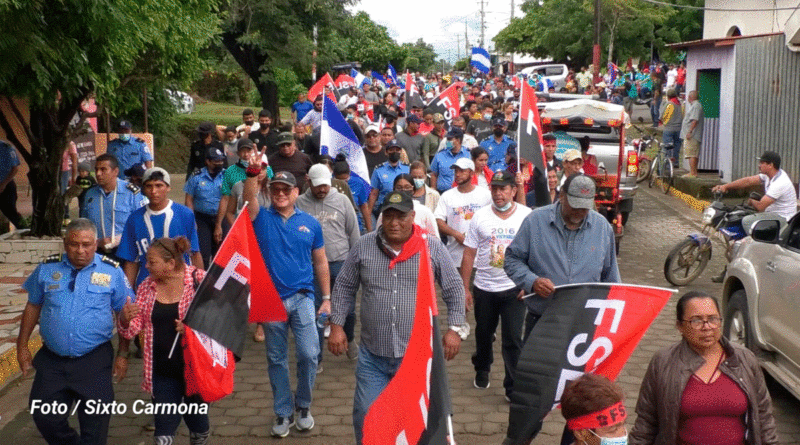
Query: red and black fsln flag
{"points": [[220, 308], [587, 328], [530, 144]]}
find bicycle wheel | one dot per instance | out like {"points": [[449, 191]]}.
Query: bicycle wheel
{"points": [[645, 169], [655, 170], [666, 175]]}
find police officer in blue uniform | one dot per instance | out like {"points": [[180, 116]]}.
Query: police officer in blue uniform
{"points": [[382, 180], [203, 192], [129, 150], [73, 297], [109, 203]]}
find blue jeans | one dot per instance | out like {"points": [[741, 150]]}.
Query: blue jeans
{"points": [[372, 376], [349, 323], [170, 390], [301, 318], [673, 137]]}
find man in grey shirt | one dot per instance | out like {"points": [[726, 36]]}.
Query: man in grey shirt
{"points": [[562, 243], [340, 231], [692, 132], [385, 263]]}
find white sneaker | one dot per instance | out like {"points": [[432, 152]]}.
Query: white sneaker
{"points": [[305, 421], [282, 426]]}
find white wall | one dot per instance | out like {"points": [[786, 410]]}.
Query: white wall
{"points": [[724, 59], [718, 23]]}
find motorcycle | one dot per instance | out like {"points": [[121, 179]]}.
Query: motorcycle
{"points": [[687, 260], [641, 145]]}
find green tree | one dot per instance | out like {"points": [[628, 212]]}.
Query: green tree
{"points": [[264, 35], [57, 52], [421, 56], [628, 29], [369, 43]]}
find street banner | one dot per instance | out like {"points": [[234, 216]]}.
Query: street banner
{"points": [[530, 144], [414, 408], [447, 103], [590, 327], [336, 137], [344, 81], [236, 290], [480, 59], [208, 366], [319, 87]]}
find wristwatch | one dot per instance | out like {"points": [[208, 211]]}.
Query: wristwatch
{"points": [[326, 298]]}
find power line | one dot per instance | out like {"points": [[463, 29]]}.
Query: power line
{"points": [[703, 8]]}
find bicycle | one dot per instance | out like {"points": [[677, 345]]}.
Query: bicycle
{"points": [[662, 169]]}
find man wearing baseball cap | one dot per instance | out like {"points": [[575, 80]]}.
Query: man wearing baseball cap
{"points": [[779, 196], [497, 144], [493, 294], [203, 194], [293, 248], [205, 141], [441, 171], [373, 150], [563, 243], [572, 163], [457, 206], [382, 180], [129, 150], [290, 159], [160, 218], [430, 144], [410, 138], [384, 264]]}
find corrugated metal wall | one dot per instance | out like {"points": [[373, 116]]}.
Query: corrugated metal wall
{"points": [[709, 147], [767, 110]]}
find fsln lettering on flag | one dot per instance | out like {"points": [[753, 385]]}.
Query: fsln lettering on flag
{"points": [[586, 328]]}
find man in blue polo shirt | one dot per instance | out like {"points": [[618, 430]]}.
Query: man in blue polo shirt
{"points": [[382, 180], [294, 253], [159, 218], [301, 108], [203, 193], [441, 173], [497, 145]]}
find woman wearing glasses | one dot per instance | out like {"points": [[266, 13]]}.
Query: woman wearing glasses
{"points": [[704, 389]]}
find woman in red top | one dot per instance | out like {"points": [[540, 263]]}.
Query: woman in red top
{"points": [[162, 301], [704, 390]]}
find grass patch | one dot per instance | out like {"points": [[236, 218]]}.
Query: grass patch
{"points": [[172, 149]]}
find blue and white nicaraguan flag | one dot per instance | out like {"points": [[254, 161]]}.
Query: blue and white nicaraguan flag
{"points": [[336, 137], [392, 74], [480, 59]]}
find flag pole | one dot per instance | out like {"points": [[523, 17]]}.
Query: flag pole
{"points": [[178, 334], [519, 127]]}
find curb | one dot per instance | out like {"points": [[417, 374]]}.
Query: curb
{"points": [[696, 204], [9, 368]]}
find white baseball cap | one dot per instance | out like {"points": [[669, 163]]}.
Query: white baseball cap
{"points": [[319, 174], [464, 164]]}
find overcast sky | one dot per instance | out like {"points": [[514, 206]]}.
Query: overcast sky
{"points": [[440, 22]]}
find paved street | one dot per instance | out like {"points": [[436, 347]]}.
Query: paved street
{"points": [[480, 416]]}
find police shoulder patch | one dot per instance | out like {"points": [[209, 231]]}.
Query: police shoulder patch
{"points": [[110, 261], [195, 173], [133, 188], [53, 258]]}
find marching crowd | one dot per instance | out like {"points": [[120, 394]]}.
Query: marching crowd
{"points": [[497, 250]]}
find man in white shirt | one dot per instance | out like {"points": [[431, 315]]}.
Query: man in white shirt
{"points": [[457, 206], [351, 98], [779, 195], [496, 297]]}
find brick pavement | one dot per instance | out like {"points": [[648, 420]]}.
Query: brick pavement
{"points": [[480, 416]]}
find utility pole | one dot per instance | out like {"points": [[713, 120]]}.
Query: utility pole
{"points": [[458, 48], [483, 23], [314, 58], [466, 39], [512, 69], [596, 49], [512, 9]]}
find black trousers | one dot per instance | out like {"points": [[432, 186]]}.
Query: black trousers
{"points": [[491, 308], [67, 381], [8, 204], [205, 236]]}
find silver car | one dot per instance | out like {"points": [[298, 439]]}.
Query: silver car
{"points": [[761, 297]]}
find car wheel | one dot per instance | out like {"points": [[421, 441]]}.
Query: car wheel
{"points": [[737, 326]]}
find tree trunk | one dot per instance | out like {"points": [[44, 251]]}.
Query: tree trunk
{"points": [[269, 100], [45, 171], [253, 63]]}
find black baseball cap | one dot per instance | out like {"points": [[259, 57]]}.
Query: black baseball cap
{"points": [[244, 143], [401, 201], [455, 132], [498, 122], [284, 138], [214, 154], [503, 178], [206, 128], [284, 178], [770, 157], [124, 125]]}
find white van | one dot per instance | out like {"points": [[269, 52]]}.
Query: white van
{"points": [[556, 73]]}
